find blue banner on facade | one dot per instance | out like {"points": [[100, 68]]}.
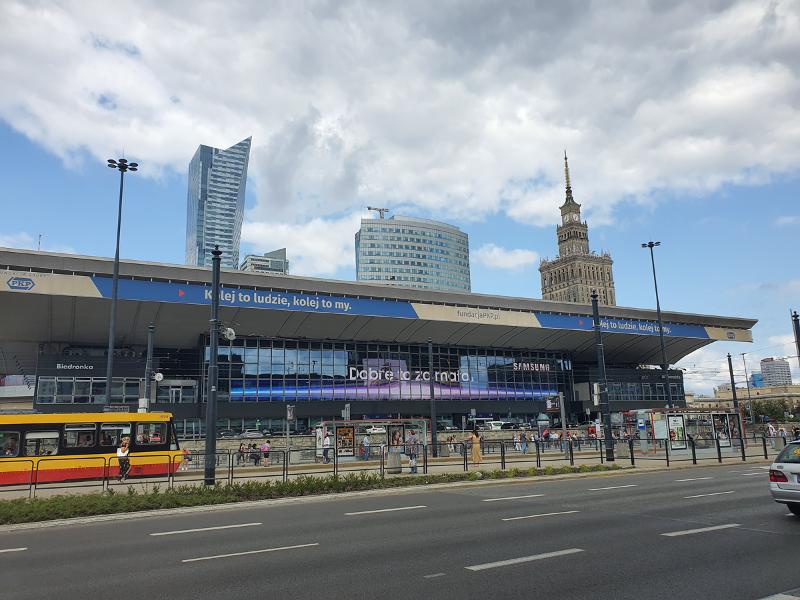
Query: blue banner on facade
{"points": [[161, 291], [629, 326]]}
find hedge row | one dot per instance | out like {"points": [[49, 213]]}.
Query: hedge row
{"points": [[26, 510]]}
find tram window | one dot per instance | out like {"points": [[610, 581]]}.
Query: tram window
{"points": [[111, 434], [79, 435], [151, 433], [9, 443], [41, 443]]}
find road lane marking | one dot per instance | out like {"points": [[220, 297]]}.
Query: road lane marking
{"points": [[693, 479], [613, 487], [704, 495], [756, 473], [188, 560], [13, 550], [700, 530], [433, 576], [566, 512], [178, 531], [523, 559], [512, 498], [383, 510]]}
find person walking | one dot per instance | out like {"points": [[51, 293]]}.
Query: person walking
{"points": [[517, 445], [412, 449], [122, 458], [365, 446], [796, 432], [241, 459], [771, 434], [326, 447], [265, 448], [523, 442], [475, 452]]}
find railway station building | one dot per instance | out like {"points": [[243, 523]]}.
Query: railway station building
{"points": [[322, 344]]}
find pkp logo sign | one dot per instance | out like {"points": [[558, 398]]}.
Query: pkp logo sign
{"points": [[21, 283]]}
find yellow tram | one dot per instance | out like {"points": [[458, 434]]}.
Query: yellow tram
{"points": [[73, 446]]}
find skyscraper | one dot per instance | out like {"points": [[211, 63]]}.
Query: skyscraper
{"points": [[215, 203], [412, 252], [577, 271], [775, 372]]}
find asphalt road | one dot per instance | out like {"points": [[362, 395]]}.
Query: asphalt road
{"points": [[710, 532]]}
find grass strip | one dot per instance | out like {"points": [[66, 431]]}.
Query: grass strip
{"points": [[25, 510]]}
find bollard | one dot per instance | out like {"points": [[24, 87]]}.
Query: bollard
{"points": [[630, 447], [666, 449], [694, 451], [764, 443], [744, 456], [424, 459], [600, 445], [464, 454], [336, 461], [502, 455], [571, 454], [383, 460], [719, 451], [538, 456]]}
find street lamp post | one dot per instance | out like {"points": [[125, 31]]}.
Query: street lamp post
{"points": [[122, 165], [605, 406], [747, 384], [796, 327], [664, 363], [213, 372]]}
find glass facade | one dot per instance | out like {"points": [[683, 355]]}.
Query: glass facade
{"points": [[410, 252], [85, 390], [215, 203], [264, 370]]}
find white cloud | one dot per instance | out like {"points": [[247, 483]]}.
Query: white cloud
{"points": [[788, 220], [25, 240], [457, 109], [493, 256], [316, 247]]}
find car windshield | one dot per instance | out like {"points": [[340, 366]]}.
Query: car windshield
{"points": [[790, 454]]}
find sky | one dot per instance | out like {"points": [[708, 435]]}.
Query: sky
{"points": [[681, 121]]}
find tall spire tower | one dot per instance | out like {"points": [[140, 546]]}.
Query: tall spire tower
{"points": [[577, 271]]}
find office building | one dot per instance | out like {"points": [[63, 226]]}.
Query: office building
{"points": [[271, 262], [577, 271], [756, 380], [215, 203], [775, 372], [414, 253]]}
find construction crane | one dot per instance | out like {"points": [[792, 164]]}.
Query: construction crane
{"points": [[381, 211]]}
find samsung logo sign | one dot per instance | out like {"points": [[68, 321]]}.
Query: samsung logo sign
{"points": [[72, 367], [531, 366], [20, 283]]}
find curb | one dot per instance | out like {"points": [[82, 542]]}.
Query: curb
{"points": [[161, 512]]}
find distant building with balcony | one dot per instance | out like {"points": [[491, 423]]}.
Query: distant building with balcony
{"points": [[271, 262]]}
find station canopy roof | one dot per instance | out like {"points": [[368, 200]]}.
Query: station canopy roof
{"points": [[65, 299]]}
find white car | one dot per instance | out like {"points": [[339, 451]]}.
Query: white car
{"points": [[784, 477], [251, 433], [375, 429]]}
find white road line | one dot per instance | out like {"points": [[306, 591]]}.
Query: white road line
{"points": [[383, 510], [524, 559], [700, 530], [13, 550], [433, 576], [780, 597], [693, 479], [704, 495], [613, 487], [756, 473], [512, 498], [566, 512], [188, 560], [176, 532]]}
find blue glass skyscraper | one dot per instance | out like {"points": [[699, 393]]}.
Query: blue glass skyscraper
{"points": [[215, 203]]}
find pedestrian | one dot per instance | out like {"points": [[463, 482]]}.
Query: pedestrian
{"points": [[122, 458], [517, 445], [240, 455], [365, 446], [326, 447], [782, 435], [186, 458], [265, 447], [796, 432], [412, 449], [475, 453], [771, 434], [523, 442], [254, 455]]}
